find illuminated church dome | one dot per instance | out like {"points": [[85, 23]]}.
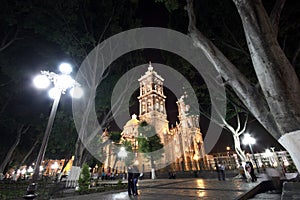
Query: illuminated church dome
{"points": [[133, 122], [131, 127]]}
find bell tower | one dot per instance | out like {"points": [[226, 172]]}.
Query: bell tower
{"points": [[152, 102]]}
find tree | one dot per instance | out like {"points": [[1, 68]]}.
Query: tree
{"points": [[84, 179], [234, 110], [115, 137], [77, 27], [63, 137], [10, 25], [148, 143], [22, 129], [274, 100]]}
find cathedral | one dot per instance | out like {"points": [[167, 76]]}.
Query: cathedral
{"points": [[183, 143]]}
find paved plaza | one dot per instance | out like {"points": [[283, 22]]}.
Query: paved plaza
{"points": [[168, 189]]}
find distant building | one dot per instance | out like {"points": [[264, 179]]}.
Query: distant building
{"points": [[186, 149]]}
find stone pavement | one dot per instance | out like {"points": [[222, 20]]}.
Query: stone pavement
{"points": [[291, 190], [167, 189]]}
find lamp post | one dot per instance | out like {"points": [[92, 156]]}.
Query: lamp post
{"points": [[250, 141], [54, 168], [228, 149], [228, 156], [61, 82]]}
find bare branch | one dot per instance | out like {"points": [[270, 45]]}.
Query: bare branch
{"points": [[5, 44], [238, 120], [296, 54], [245, 125], [275, 15], [238, 82], [106, 26], [7, 101], [30, 151], [24, 130], [240, 49]]}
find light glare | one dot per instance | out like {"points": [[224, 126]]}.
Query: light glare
{"points": [[65, 68], [41, 81], [54, 92], [248, 139], [64, 82], [76, 92]]}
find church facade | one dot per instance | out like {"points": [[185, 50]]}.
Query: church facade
{"points": [[183, 143]]}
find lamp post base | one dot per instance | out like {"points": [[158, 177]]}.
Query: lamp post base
{"points": [[30, 192]]}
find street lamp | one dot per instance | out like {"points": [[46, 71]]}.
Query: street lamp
{"points": [[122, 154], [54, 168], [61, 82], [250, 141], [228, 156]]}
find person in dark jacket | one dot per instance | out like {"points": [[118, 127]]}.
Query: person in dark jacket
{"points": [[130, 181], [136, 175], [249, 167]]}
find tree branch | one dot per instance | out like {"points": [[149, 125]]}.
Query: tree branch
{"points": [[245, 125], [275, 15], [238, 82], [238, 120], [240, 49], [5, 44], [296, 54]]}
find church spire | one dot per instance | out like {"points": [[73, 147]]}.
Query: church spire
{"points": [[150, 68]]}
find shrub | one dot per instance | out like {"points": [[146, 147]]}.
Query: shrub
{"points": [[84, 179], [119, 183]]}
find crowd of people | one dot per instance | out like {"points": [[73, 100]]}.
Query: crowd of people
{"points": [[110, 176], [247, 171], [220, 168]]}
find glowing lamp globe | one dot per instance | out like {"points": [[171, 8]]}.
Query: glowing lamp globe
{"points": [[54, 92], [65, 68], [41, 81], [76, 92], [248, 139], [64, 82]]}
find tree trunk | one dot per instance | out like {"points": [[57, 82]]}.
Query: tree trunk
{"points": [[278, 110], [8, 156], [79, 149], [30, 152], [276, 75], [237, 147], [248, 94]]}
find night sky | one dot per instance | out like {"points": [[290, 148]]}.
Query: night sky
{"points": [[30, 103]]}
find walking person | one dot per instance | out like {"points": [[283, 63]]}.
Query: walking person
{"points": [[222, 171], [249, 167], [136, 175], [217, 166], [242, 172], [103, 176], [130, 181]]}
